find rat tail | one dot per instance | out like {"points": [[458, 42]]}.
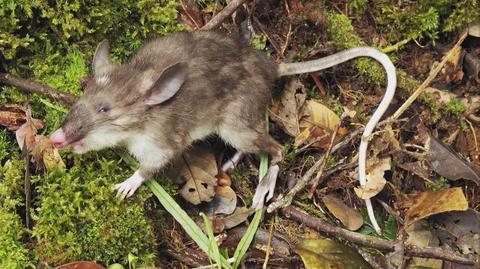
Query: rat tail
{"points": [[285, 69]]}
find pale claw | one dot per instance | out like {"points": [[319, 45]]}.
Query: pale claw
{"points": [[128, 187], [266, 186]]}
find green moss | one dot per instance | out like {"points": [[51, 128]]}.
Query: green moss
{"points": [[79, 217], [13, 253], [343, 36], [455, 107]]}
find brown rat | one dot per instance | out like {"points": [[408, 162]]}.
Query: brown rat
{"points": [[178, 89]]}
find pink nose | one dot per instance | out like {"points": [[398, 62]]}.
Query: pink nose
{"points": [[58, 138]]}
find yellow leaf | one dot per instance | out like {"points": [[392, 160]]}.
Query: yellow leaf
{"points": [[319, 115], [375, 180], [425, 204]]}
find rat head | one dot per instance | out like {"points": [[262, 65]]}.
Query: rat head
{"points": [[115, 101]]}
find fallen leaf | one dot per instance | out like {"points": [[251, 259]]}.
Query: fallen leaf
{"points": [[375, 179], [12, 116], [421, 205], [224, 202], [420, 235], [448, 163], [474, 28], [26, 135], [350, 217], [44, 152], [461, 228], [316, 114], [328, 254], [190, 15], [286, 111], [198, 169], [238, 216], [80, 265]]}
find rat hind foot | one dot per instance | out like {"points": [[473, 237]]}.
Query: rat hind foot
{"points": [[266, 186]]}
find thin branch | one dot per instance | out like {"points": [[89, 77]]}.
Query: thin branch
{"points": [[373, 242], [223, 15], [286, 200], [429, 79], [30, 86]]}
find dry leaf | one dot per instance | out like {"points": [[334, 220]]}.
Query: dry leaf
{"points": [[474, 28], [421, 205], [238, 216], [285, 112], [316, 114], [461, 228], [350, 217], [447, 163], [44, 152], [12, 116], [198, 169], [420, 235], [190, 15], [224, 202], [328, 254], [375, 179], [26, 135]]}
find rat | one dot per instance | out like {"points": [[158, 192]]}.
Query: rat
{"points": [[181, 88]]}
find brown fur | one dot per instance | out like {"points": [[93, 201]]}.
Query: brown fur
{"points": [[226, 92]]}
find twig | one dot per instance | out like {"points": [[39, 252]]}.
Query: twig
{"points": [[429, 79], [316, 180], [307, 177], [222, 15], [373, 242], [30, 86], [396, 46], [285, 45], [269, 243]]}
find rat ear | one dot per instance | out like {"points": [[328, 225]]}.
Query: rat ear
{"points": [[167, 84], [102, 63]]}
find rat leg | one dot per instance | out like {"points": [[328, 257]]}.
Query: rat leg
{"points": [[232, 162], [256, 141], [128, 187]]}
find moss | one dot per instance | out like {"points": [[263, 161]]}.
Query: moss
{"points": [[76, 213], [79, 218], [455, 107], [13, 253], [343, 36]]}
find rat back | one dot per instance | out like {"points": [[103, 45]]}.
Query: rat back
{"points": [[228, 86]]}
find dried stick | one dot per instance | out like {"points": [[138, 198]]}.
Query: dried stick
{"points": [[373, 242], [307, 177], [316, 180], [222, 15], [429, 79], [30, 86]]}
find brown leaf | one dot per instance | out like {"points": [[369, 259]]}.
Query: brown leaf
{"points": [[328, 254], [238, 216], [190, 15], [420, 235], [44, 152], [448, 163], [350, 217], [421, 205], [12, 116], [462, 228], [198, 169], [224, 202], [286, 111], [375, 179], [316, 114]]}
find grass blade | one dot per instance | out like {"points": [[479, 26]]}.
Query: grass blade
{"points": [[190, 227]]}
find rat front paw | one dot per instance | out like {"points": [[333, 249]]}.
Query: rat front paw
{"points": [[128, 187]]}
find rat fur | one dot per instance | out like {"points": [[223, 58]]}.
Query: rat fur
{"points": [[178, 89]]}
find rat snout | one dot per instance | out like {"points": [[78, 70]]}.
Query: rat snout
{"points": [[58, 138]]}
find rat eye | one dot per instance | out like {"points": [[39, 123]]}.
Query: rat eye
{"points": [[103, 109]]}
